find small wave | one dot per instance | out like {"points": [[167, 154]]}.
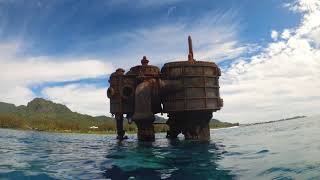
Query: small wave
{"points": [[263, 151], [233, 154], [225, 128], [276, 170]]}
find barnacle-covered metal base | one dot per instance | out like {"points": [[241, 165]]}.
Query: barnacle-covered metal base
{"points": [[193, 125], [145, 130]]}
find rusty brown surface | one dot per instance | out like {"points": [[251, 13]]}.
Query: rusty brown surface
{"points": [[200, 86], [190, 55], [189, 92]]}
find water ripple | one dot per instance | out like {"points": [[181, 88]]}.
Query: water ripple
{"points": [[286, 150]]}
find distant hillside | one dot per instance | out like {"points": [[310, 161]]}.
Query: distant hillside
{"points": [[45, 115], [40, 105], [215, 123], [5, 107]]}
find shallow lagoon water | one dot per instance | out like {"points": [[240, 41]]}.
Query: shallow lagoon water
{"points": [[282, 150]]}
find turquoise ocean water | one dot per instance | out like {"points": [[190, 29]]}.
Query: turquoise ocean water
{"points": [[282, 150]]}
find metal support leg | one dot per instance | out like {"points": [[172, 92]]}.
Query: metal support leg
{"points": [[120, 131], [145, 129], [195, 125]]}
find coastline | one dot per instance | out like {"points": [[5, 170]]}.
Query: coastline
{"points": [[68, 131], [94, 132], [279, 120]]}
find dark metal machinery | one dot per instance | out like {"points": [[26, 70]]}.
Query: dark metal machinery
{"points": [[187, 90]]}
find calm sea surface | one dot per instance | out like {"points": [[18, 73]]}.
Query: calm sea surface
{"points": [[283, 150]]}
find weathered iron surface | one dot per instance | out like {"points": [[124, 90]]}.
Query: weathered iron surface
{"points": [[200, 86], [187, 90], [121, 92]]}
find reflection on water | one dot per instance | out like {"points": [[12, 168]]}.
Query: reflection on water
{"points": [[284, 150], [166, 160]]}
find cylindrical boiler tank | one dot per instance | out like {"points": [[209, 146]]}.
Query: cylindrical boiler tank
{"points": [[200, 91]]}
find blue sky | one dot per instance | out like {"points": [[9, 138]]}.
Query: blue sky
{"points": [[65, 50], [98, 28]]}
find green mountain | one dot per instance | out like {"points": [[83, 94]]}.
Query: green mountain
{"points": [[44, 106], [44, 115]]}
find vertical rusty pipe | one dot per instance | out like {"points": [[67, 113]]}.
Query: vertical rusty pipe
{"points": [[190, 55], [143, 115], [143, 96]]}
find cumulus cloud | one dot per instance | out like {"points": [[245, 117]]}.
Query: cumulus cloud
{"points": [[285, 34], [282, 80], [274, 35], [18, 73], [86, 99], [215, 38]]}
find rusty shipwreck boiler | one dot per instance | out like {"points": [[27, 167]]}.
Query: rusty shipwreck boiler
{"points": [[187, 90]]}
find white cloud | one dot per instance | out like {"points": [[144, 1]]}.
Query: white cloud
{"points": [[281, 81], [274, 35], [86, 99], [38, 70], [215, 38], [286, 34], [17, 73], [304, 6]]}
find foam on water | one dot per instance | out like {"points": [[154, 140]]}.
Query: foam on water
{"points": [[283, 150]]}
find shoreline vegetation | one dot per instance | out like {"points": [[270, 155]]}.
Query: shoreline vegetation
{"points": [[47, 116]]}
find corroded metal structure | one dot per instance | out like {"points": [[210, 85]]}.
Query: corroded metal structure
{"points": [[188, 91]]}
